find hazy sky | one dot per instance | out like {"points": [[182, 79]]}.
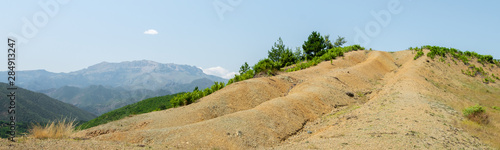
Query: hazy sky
{"points": [[220, 35]]}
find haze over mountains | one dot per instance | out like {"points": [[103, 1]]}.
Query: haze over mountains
{"points": [[37, 107], [107, 86]]}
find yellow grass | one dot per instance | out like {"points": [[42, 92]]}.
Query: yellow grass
{"points": [[54, 130]]}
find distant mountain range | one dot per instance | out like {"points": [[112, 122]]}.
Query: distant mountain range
{"points": [[106, 86], [37, 107]]}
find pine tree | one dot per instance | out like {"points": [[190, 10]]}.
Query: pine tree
{"points": [[314, 44]]}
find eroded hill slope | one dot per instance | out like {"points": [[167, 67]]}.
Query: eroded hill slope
{"points": [[367, 99]]}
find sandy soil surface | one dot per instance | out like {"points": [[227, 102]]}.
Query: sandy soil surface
{"points": [[365, 100]]}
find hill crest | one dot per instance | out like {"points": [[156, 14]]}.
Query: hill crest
{"points": [[295, 109], [372, 99]]}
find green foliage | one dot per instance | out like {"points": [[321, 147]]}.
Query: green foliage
{"points": [[144, 106], [435, 50], [419, 54], [484, 58], [472, 71], [247, 75], [329, 55], [287, 58], [476, 109], [244, 68], [328, 43], [426, 47], [280, 55], [442, 59], [37, 107], [265, 65], [489, 80], [298, 54], [191, 97], [276, 51], [339, 42], [314, 45], [495, 77], [495, 107], [476, 113], [356, 47], [21, 128]]}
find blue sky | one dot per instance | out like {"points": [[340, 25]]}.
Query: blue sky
{"points": [[72, 35]]}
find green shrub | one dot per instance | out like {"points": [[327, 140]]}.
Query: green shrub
{"points": [[495, 77], [264, 65], [464, 59], [476, 113], [418, 55], [431, 55], [191, 97], [488, 80], [495, 107], [441, 59], [425, 47]]}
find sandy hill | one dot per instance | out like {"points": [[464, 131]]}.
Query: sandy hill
{"points": [[365, 100]]}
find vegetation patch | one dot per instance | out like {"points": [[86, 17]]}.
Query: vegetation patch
{"points": [[54, 130], [465, 57], [419, 52], [21, 128], [191, 97], [476, 113], [144, 106], [328, 55]]}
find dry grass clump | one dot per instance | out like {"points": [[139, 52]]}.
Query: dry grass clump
{"points": [[55, 130]]}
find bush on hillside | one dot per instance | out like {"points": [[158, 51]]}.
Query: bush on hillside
{"points": [[265, 65], [247, 75], [476, 113], [191, 97], [418, 55]]}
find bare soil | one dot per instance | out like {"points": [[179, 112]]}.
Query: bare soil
{"points": [[364, 100]]}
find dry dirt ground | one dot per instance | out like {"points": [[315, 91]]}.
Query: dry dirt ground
{"points": [[364, 100]]}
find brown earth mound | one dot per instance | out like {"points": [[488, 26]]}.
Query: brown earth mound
{"points": [[367, 99]]}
